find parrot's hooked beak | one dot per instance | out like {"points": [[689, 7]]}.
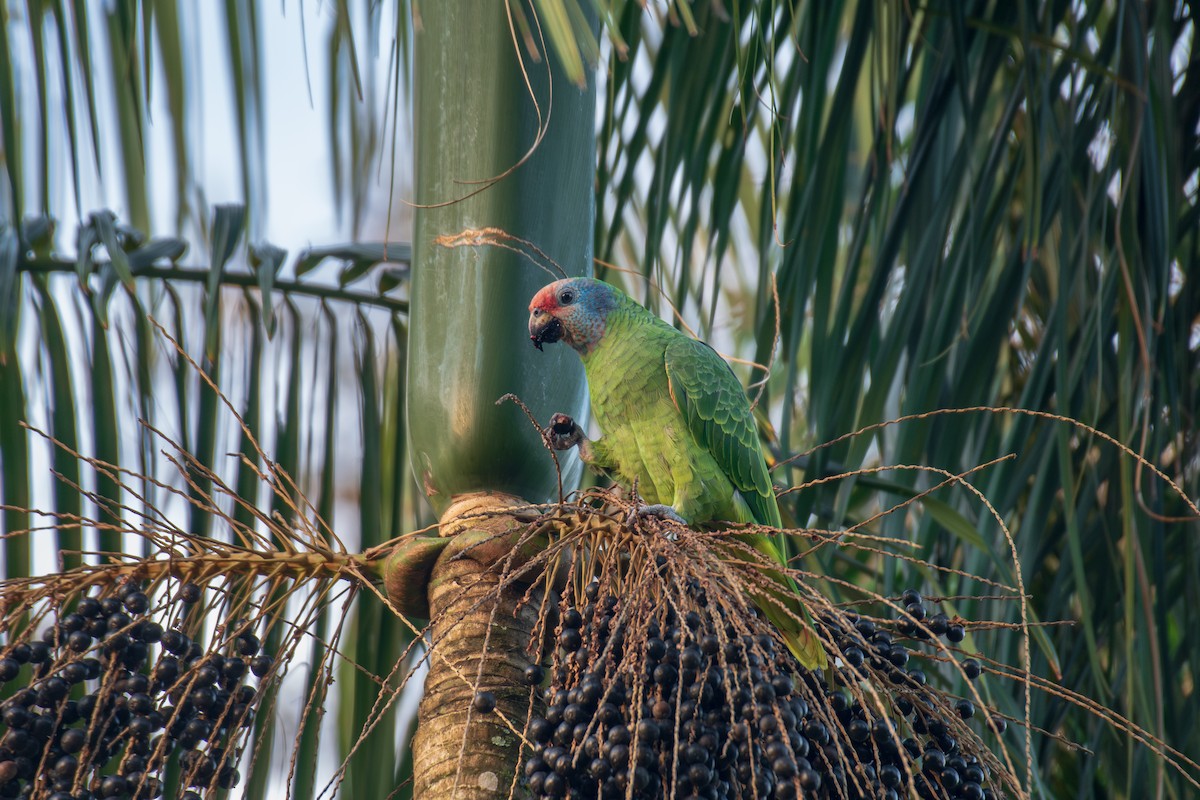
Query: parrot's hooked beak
{"points": [[544, 328]]}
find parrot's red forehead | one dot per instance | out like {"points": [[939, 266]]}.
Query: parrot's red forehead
{"points": [[546, 299]]}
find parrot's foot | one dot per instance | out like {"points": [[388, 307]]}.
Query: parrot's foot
{"points": [[563, 432], [660, 510]]}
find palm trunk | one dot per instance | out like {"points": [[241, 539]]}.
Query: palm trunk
{"points": [[459, 751], [476, 121]]}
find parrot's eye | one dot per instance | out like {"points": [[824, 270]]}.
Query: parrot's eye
{"points": [[566, 297]]}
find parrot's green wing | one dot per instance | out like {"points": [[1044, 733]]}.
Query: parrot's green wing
{"points": [[712, 400]]}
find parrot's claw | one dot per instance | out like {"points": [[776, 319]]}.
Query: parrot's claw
{"points": [[660, 510], [563, 432]]}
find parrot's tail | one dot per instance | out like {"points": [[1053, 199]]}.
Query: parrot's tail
{"points": [[795, 627]]}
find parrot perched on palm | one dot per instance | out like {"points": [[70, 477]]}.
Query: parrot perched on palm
{"points": [[675, 420]]}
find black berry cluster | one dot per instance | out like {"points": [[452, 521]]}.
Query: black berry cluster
{"points": [[939, 750], [692, 700], [108, 697]]}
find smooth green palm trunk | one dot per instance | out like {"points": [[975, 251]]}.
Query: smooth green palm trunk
{"points": [[475, 122]]}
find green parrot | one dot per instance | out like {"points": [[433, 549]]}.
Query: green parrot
{"points": [[676, 420]]}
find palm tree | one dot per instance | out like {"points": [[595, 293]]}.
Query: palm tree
{"points": [[468, 347], [977, 222]]}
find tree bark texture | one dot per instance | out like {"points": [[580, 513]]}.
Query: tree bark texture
{"points": [[480, 637]]}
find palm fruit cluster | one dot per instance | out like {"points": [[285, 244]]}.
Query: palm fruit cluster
{"points": [[107, 699], [675, 695]]}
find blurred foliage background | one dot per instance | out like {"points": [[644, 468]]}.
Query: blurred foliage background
{"points": [[899, 207]]}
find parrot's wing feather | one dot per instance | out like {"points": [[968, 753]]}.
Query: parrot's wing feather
{"points": [[709, 396], [711, 399]]}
